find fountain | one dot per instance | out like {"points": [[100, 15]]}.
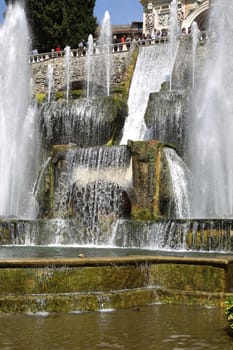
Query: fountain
{"points": [[18, 131], [195, 35], [211, 124], [50, 81], [115, 222], [173, 33], [67, 58], [104, 46], [89, 65]]}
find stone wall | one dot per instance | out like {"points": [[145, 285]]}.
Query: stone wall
{"points": [[120, 62]]}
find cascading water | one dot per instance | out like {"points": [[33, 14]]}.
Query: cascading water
{"points": [[18, 131], [94, 186], [152, 68], [181, 183], [211, 128]]}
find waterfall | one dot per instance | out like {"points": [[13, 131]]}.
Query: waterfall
{"points": [[167, 116], [180, 177], [95, 186], [18, 129], [175, 235], [211, 127], [81, 122], [152, 69]]}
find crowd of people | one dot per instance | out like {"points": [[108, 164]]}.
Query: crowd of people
{"points": [[119, 43]]}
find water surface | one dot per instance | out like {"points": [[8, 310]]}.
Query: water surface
{"points": [[160, 327]]}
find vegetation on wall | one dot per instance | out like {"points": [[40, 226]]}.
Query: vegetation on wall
{"points": [[229, 311], [59, 23]]}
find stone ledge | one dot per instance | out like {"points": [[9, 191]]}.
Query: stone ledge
{"points": [[221, 261]]}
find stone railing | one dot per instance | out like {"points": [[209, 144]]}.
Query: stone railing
{"points": [[120, 61], [118, 47]]}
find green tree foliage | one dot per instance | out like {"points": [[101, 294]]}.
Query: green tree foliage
{"points": [[59, 22]]}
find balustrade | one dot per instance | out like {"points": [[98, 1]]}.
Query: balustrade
{"points": [[115, 48]]}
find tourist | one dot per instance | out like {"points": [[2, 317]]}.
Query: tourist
{"points": [[163, 35], [58, 49], [80, 48], [153, 36], [128, 41], [34, 52], [114, 41], [122, 40], [158, 36], [143, 40]]}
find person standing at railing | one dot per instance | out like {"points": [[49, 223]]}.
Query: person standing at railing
{"points": [[122, 40], [128, 41], [80, 48], [114, 41], [58, 50]]}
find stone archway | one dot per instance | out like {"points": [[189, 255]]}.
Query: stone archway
{"points": [[199, 15]]}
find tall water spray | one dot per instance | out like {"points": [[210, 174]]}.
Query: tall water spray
{"points": [[89, 66], [17, 117], [105, 41], [195, 37], [211, 129], [173, 34], [67, 59], [50, 80]]}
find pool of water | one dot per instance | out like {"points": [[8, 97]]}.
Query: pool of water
{"points": [[159, 327], [8, 252]]}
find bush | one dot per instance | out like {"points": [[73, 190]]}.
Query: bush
{"points": [[229, 311]]}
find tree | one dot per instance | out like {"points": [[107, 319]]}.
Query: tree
{"points": [[59, 22]]}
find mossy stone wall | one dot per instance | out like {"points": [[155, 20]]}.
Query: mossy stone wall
{"points": [[151, 182], [92, 283]]}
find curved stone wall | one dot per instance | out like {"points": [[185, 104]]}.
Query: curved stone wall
{"points": [[120, 62]]}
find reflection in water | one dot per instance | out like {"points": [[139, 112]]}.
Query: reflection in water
{"points": [[160, 327]]}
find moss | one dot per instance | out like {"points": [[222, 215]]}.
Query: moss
{"points": [[189, 277], [74, 94], [125, 84], [51, 189], [40, 97], [72, 280], [152, 193], [229, 311], [5, 235]]}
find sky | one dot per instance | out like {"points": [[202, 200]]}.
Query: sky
{"points": [[121, 11], [2, 9]]}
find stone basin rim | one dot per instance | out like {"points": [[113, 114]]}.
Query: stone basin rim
{"points": [[104, 261]]}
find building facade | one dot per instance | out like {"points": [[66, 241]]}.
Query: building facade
{"points": [[156, 14]]}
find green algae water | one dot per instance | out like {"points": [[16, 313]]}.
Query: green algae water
{"points": [[160, 327]]}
